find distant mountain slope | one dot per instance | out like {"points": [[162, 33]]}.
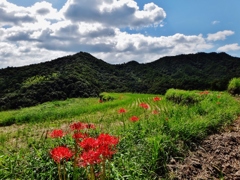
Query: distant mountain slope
{"points": [[82, 75]]}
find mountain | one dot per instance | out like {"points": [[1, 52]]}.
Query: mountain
{"points": [[82, 75]]}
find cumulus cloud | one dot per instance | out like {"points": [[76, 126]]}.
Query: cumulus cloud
{"points": [[10, 18], [94, 26], [221, 35], [124, 13], [229, 47]]}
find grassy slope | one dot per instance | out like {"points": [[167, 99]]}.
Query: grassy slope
{"points": [[145, 146]]}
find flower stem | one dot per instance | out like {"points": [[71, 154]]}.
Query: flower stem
{"points": [[92, 175], [59, 171], [75, 161], [103, 176]]}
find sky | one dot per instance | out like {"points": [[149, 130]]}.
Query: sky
{"points": [[116, 31]]}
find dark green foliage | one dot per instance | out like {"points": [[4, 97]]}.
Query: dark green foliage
{"points": [[82, 75]]}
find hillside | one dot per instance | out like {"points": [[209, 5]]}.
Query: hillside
{"points": [[82, 75]]}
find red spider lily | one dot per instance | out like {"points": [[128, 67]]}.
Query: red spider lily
{"points": [[157, 99], [89, 143], [77, 126], [80, 126], [60, 153], [97, 149], [122, 110], [90, 126], [57, 133], [204, 92], [155, 112], [105, 151], [134, 118], [106, 139], [144, 105], [79, 135], [89, 158]]}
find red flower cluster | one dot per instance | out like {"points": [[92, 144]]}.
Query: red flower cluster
{"points": [[144, 105], [97, 149], [122, 110], [79, 126], [79, 135], [57, 133], [89, 157], [60, 153], [157, 99], [204, 93], [134, 118]]}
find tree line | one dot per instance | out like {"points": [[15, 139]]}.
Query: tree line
{"points": [[83, 75]]}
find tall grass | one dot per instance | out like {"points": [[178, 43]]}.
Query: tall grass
{"points": [[234, 86], [166, 128], [70, 108]]}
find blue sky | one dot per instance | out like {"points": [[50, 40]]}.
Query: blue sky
{"points": [[116, 31]]}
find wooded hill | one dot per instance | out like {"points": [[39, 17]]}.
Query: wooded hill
{"points": [[82, 75]]}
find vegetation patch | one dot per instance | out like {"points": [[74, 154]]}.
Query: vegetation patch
{"points": [[234, 86], [133, 137], [185, 97]]}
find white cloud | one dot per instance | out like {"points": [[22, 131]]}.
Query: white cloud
{"points": [[93, 26], [124, 13], [44, 10], [14, 15], [221, 35], [215, 22], [145, 48], [229, 47]]}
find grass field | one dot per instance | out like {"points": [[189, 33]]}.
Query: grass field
{"points": [[150, 130]]}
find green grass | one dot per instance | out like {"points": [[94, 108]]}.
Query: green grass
{"points": [[145, 146], [234, 86]]}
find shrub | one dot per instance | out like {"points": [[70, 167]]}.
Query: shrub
{"points": [[184, 97], [234, 86]]}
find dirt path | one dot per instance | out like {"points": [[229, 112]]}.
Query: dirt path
{"points": [[217, 157]]}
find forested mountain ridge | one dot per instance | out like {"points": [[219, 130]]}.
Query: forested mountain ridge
{"points": [[82, 75]]}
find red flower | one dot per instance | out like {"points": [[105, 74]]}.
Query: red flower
{"points": [[106, 139], [134, 118], [106, 151], [204, 93], [77, 126], [60, 153], [157, 98], [89, 157], [155, 112], [57, 133], [144, 105], [95, 150], [80, 126], [79, 135], [90, 126], [122, 110], [89, 143]]}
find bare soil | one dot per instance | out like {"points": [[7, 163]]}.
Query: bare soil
{"points": [[216, 157]]}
